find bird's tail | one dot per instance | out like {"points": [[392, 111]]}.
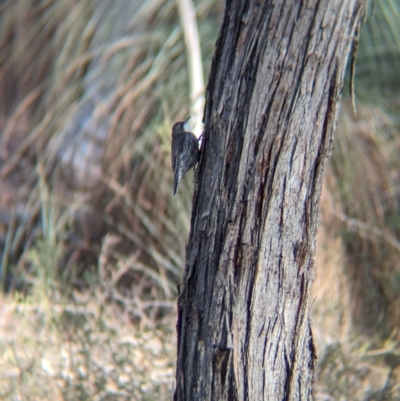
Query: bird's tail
{"points": [[177, 178]]}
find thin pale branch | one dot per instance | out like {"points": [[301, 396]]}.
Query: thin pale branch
{"points": [[189, 25]]}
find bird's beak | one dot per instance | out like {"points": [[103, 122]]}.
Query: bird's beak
{"points": [[186, 125]]}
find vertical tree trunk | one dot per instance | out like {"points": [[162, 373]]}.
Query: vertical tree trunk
{"points": [[272, 104]]}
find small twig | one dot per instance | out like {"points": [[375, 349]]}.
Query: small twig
{"points": [[366, 230], [191, 35], [353, 68], [7, 248]]}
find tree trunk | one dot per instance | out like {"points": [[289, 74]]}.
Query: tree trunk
{"points": [[272, 104]]}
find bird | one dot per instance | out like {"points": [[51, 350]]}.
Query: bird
{"points": [[184, 151]]}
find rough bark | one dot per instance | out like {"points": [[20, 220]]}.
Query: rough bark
{"points": [[272, 104]]}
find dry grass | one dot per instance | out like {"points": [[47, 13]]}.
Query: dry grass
{"points": [[108, 342], [367, 192], [357, 289], [92, 243], [94, 100], [81, 350]]}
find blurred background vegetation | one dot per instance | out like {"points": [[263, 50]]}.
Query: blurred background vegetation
{"points": [[92, 243]]}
